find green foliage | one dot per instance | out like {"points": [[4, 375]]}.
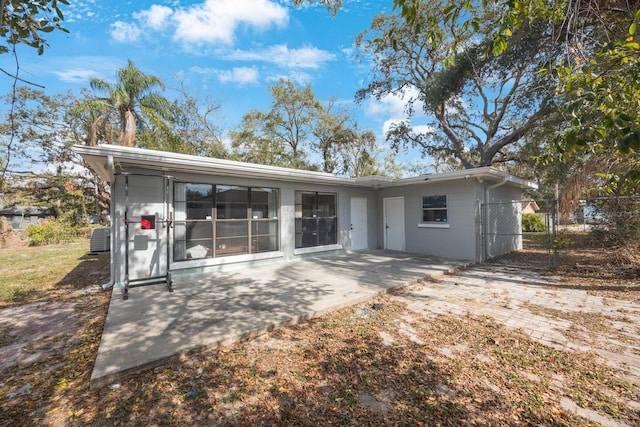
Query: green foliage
{"points": [[532, 223], [25, 22], [134, 99], [593, 69], [480, 96], [191, 129], [602, 93], [296, 127], [53, 231]]}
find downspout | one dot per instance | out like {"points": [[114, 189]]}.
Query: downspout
{"points": [[110, 283], [488, 189], [486, 219]]}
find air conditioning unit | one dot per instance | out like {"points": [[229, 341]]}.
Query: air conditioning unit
{"points": [[100, 240]]}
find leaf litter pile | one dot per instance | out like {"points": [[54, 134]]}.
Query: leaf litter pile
{"points": [[372, 364]]}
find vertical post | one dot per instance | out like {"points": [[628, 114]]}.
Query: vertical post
{"points": [[554, 233], [168, 224], [125, 290], [485, 230]]}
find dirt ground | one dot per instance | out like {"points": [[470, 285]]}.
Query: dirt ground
{"points": [[429, 354]]}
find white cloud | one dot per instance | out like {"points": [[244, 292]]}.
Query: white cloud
{"points": [[156, 17], [80, 69], [392, 108], [217, 20], [299, 77], [241, 75], [423, 129], [305, 57], [77, 75], [124, 32], [393, 104], [211, 21]]}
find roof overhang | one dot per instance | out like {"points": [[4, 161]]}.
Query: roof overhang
{"points": [[107, 160]]}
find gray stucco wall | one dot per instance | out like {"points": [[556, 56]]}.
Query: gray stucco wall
{"points": [[458, 241], [460, 238], [503, 221], [147, 248]]}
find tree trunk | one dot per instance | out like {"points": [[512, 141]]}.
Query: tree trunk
{"points": [[128, 129]]}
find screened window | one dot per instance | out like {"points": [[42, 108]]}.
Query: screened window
{"points": [[316, 219], [434, 208], [220, 220]]}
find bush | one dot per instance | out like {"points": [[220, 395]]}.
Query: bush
{"points": [[48, 232], [532, 223]]}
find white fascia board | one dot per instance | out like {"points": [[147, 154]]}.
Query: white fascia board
{"points": [[480, 174], [168, 162]]}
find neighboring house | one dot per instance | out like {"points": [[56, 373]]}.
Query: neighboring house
{"points": [[195, 215], [530, 207], [21, 217]]}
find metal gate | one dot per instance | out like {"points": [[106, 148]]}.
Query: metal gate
{"points": [[522, 232]]}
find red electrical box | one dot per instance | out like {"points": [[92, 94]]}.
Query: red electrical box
{"points": [[148, 222]]}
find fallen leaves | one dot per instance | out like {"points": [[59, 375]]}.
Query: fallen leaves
{"points": [[356, 366]]}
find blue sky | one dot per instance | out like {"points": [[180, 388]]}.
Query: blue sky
{"points": [[227, 51]]}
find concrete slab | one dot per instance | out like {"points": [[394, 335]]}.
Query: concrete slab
{"points": [[154, 324], [524, 300]]}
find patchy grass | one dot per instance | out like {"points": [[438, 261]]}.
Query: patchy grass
{"points": [[372, 364], [30, 274]]}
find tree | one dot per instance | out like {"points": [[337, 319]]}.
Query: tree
{"points": [[25, 22], [596, 77], [136, 101], [359, 153], [252, 144], [297, 126], [285, 130], [191, 129], [40, 167], [478, 103], [331, 132]]}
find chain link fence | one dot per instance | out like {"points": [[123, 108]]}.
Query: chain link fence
{"points": [[600, 228], [528, 225], [549, 234]]}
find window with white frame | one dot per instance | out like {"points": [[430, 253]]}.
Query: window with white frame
{"points": [[220, 220], [434, 209]]}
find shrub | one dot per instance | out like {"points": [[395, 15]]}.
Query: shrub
{"points": [[532, 223], [51, 231]]}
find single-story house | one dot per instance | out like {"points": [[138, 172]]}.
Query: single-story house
{"points": [[21, 217], [181, 214], [530, 207]]}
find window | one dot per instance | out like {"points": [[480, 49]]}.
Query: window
{"points": [[434, 209], [316, 219], [220, 220]]}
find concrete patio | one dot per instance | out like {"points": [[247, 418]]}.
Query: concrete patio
{"points": [[154, 324]]}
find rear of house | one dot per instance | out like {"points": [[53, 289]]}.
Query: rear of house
{"points": [[192, 215]]}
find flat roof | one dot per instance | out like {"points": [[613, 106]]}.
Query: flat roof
{"points": [[106, 159]]}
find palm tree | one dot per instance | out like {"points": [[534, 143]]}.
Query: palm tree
{"points": [[135, 99]]}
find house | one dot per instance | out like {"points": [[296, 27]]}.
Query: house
{"points": [[182, 214], [21, 217], [530, 207]]}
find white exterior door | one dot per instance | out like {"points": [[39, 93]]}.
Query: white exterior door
{"points": [[359, 223], [394, 223]]}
